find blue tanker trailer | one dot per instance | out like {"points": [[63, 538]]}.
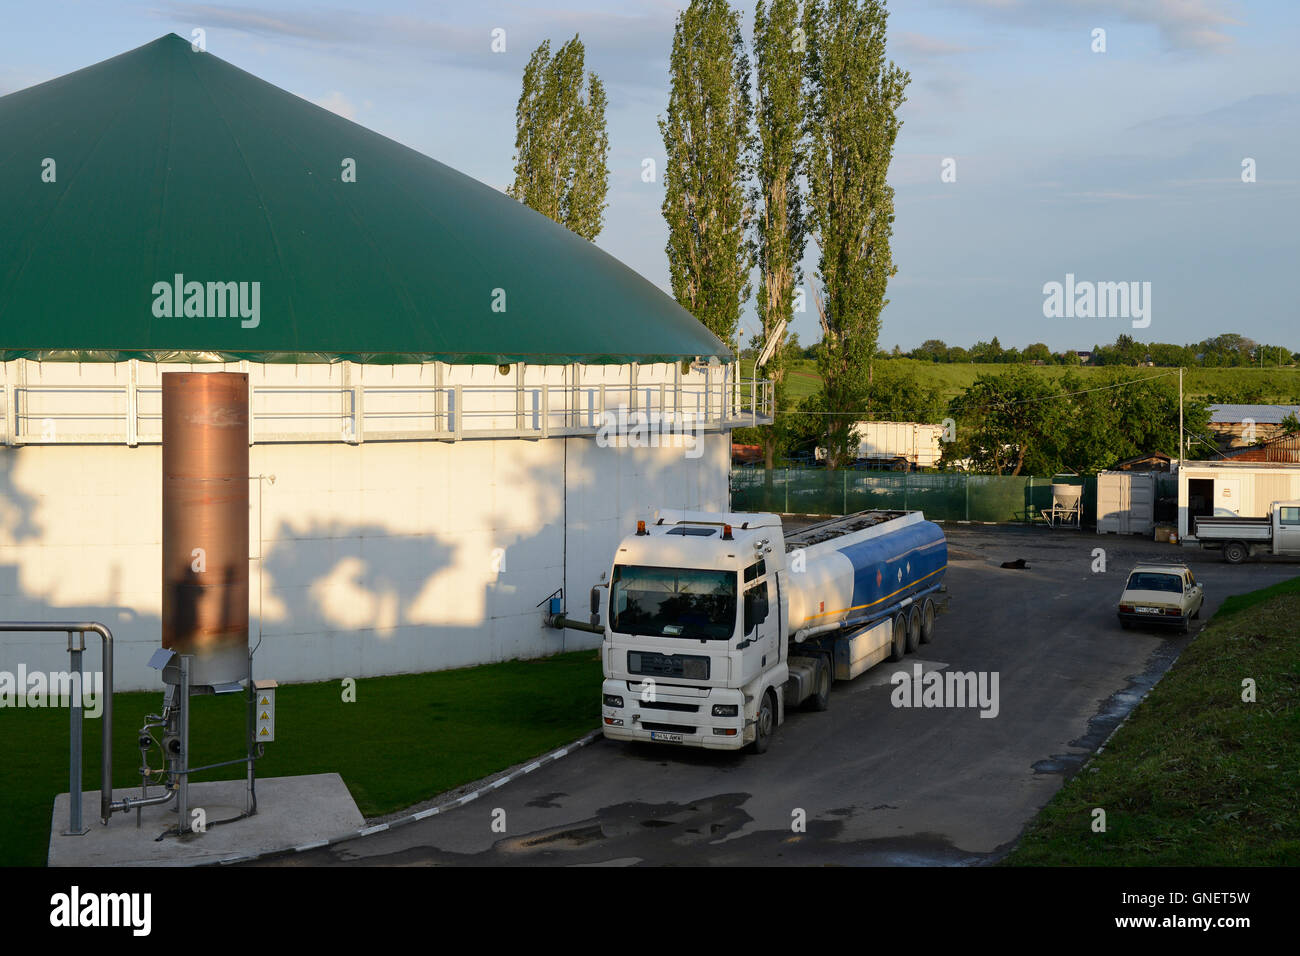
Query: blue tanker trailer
{"points": [[716, 624]]}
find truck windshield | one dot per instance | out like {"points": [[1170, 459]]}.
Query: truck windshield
{"points": [[673, 602]]}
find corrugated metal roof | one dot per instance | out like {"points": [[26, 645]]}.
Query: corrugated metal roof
{"points": [[1259, 414], [169, 163]]}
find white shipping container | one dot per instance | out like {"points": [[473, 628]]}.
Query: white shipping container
{"points": [[1126, 502]]}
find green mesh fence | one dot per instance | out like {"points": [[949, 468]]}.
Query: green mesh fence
{"points": [[943, 497]]}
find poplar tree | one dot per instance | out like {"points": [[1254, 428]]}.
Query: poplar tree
{"points": [[779, 45], [561, 143], [707, 143], [851, 118]]}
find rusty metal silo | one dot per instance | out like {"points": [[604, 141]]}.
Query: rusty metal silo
{"points": [[205, 522]]}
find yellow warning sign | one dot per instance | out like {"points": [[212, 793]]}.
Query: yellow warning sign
{"points": [[265, 716], [264, 702], [264, 733]]}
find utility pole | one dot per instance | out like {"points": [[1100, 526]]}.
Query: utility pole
{"points": [[1181, 447]]}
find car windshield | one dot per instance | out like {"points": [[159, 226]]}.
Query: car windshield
{"points": [[673, 602], [1154, 581]]}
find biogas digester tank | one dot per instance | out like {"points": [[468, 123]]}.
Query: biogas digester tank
{"points": [[205, 522]]}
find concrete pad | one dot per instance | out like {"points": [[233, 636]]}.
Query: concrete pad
{"points": [[291, 811]]}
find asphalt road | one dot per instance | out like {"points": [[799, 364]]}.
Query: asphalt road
{"points": [[876, 784]]}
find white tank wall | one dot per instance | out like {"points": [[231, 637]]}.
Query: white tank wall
{"points": [[379, 557]]}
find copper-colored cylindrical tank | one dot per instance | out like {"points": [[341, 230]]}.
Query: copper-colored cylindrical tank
{"points": [[205, 522]]}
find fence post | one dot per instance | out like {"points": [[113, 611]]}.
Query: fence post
{"points": [[904, 491], [786, 484], [844, 496], [966, 482]]}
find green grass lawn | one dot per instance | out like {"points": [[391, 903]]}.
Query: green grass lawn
{"points": [[1196, 777], [404, 739]]}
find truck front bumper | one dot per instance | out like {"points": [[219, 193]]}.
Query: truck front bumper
{"points": [[679, 719]]}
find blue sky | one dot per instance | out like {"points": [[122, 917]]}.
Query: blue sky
{"points": [[1115, 166]]}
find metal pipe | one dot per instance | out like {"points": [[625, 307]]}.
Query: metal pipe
{"points": [[106, 745], [563, 620]]}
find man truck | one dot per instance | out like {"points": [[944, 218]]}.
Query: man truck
{"points": [[717, 624]]}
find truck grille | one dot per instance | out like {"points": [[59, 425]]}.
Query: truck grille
{"points": [[669, 705], [688, 666]]}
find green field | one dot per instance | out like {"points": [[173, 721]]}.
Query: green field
{"points": [[403, 740], [1274, 385], [1197, 776]]}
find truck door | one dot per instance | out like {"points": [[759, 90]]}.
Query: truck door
{"points": [[761, 617], [1286, 539]]}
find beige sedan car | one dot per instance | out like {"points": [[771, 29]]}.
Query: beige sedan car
{"points": [[1165, 594]]}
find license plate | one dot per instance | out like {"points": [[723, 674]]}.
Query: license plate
{"points": [[1147, 610], [665, 737]]}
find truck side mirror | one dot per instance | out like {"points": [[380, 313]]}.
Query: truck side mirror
{"points": [[749, 622], [595, 599]]}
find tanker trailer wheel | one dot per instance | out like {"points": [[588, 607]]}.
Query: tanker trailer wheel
{"points": [[820, 698], [1235, 552], [900, 637], [927, 622], [913, 629], [764, 724]]}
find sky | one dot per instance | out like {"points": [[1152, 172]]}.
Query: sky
{"points": [[1122, 164]]}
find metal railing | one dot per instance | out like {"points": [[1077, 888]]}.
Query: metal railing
{"points": [[131, 414], [76, 631]]}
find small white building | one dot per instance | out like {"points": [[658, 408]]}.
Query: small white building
{"points": [[1226, 487]]}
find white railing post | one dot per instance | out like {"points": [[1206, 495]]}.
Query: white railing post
{"points": [[458, 412], [132, 406], [546, 410]]}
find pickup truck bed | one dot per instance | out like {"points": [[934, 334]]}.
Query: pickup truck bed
{"points": [[1234, 529]]}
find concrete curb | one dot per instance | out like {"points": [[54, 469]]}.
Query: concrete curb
{"points": [[460, 801]]}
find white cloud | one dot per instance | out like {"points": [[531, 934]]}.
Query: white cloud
{"points": [[336, 102], [1183, 24]]}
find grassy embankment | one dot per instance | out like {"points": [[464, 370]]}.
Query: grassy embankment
{"points": [[1197, 776]]}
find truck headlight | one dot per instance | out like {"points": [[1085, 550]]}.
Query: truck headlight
{"points": [[725, 710], [613, 700]]}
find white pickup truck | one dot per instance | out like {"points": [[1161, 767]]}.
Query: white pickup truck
{"points": [[1278, 532]]}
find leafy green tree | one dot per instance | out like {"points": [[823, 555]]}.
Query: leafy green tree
{"points": [[778, 112], [898, 395], [931, 350], [561, 144], [851, 118], [1008, 423], [707, 139]]}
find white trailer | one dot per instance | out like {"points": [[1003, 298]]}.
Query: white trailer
{"points": [[716, 624], [887, 441]]}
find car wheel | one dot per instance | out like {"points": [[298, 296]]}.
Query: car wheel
{"points": [[1234, 552]]}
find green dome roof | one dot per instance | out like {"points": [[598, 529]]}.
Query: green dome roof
{"points": [[167, 163]]}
